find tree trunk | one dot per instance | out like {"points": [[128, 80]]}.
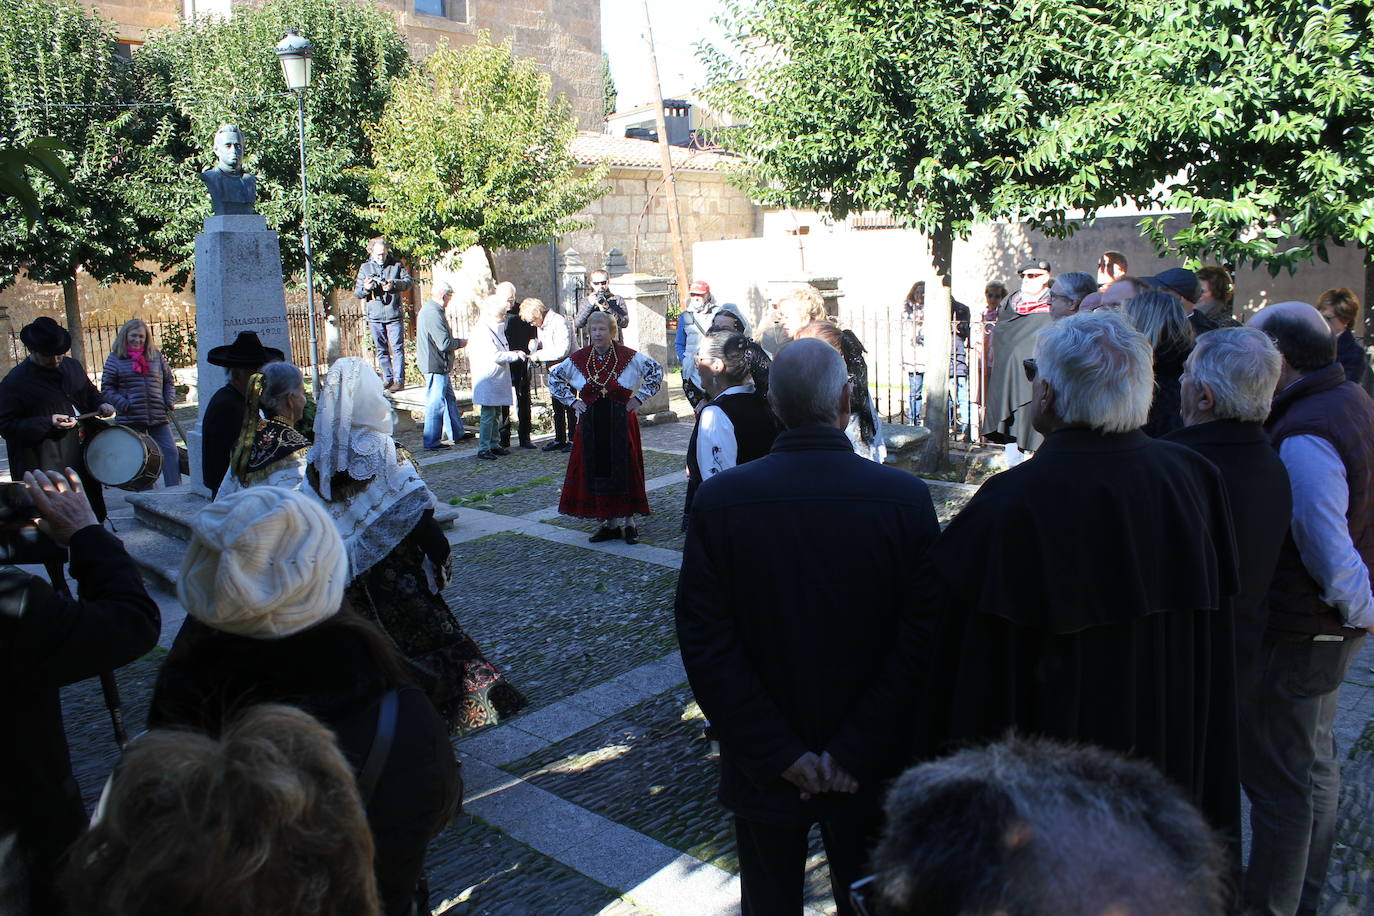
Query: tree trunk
{"points": [[71, 299], [937, 328]]}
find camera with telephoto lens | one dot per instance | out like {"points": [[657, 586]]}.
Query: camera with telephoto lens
{"points": [[603, 299], [21, 543]]}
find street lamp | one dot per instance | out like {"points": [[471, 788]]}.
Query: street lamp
{"points": [[294, 53]]}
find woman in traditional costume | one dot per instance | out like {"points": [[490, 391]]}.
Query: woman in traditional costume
{"points": [[398, 557], [269, 449], [605, 384]]}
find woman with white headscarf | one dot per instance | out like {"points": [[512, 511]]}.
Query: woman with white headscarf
{"points": [[398, 556]]}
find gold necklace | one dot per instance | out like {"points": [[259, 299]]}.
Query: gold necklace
{"points": [[596, 367]]}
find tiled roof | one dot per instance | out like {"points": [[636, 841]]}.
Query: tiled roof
{"points": [[591, 148]]}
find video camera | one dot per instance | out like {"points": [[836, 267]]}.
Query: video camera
{"points": [[21, 543]]}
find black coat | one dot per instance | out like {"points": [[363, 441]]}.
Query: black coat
{"points": [[47, 642], [1261, 501], [784, 657], [1085, 595], [219, 428], [329, 671], [1351, 356], [29, 395], [1166, 409]]}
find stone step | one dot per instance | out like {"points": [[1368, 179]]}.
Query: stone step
{"points": [[171, 512], [157, 553]]}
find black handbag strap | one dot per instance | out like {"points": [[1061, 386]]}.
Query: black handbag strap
{"points": [[381, 746]]}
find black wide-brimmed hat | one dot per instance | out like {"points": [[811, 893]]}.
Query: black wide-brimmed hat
{"points": [[46, 337], [246, 352]]}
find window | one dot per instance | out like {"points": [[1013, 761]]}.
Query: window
{"points": [[125, 49], [457, 10]]}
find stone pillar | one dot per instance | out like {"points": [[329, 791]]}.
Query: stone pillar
{"points": [[647, 299], [616, 265], [571, 274], [238, 288]]}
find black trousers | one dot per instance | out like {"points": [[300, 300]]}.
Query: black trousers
{"points": [[564, 421], [772, 861], [520, 380]]}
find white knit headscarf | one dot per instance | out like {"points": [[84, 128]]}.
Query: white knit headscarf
{"points": [[264, 562]]}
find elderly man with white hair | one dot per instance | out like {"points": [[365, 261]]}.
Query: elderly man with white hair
{"points": [[793, 595], [434, 357], [1320, 605], [1085, 594]]}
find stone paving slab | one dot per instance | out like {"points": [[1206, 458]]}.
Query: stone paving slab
{"points": [[661, 528], [650, 769], [521, 482], [558, 618]]}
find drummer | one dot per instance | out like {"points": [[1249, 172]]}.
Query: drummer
{"points": [[219, 424], [40, 400]]}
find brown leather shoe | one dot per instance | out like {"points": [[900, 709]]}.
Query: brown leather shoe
{"points": [[631, 534], [605, 533]]}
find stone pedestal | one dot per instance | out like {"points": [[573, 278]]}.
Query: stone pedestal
{"points": [[571, 274], [238, 288], [647, 299]]}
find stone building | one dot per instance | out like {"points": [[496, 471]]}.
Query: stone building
{"points": [[563, 35], [633, 215]]}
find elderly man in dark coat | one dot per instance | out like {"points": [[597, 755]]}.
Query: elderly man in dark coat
{"points": [[223, 417], [36, 401], [48, 640], [795, 666], [1085, 594], [1226, 386]]}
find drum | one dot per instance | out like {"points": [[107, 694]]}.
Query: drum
{"points": [[119, 456]]}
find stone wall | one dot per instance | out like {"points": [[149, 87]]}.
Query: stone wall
{"points": [[634, 219], [877, 267], [134, 19]]}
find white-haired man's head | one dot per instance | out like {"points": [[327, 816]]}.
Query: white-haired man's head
{"points": [[1230, 375], [808, 385], [1092, 370]]}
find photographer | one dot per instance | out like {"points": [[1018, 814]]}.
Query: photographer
{"points": [[46, 642], [601, 299], [381, 280]]}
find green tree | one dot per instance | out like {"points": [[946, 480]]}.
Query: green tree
{"points": [[474, 151], [38, 155], [60, 77], [929, 109], [216, 71], [608, 91], [1257, 116]]}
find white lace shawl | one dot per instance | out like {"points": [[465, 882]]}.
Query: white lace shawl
{"points": [[353, 434]]}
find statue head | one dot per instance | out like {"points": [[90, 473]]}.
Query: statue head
{"points": [[229, 148]]}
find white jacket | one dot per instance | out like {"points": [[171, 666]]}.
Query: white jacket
{"points": [[490, 359]]}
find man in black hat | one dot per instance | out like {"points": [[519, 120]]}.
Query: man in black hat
{"points": [[1182, 284], [223, 416], [39, 402]]}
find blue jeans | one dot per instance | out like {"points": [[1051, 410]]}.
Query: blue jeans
{"points": [[388, 339], [915, 383], [171, 457], [489, 429], [441, 410]]}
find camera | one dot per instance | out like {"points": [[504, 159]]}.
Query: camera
{"points": [[21, 543], [603, 298]]}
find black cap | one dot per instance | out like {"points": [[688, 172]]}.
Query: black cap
{"points": [[1035, 265]]}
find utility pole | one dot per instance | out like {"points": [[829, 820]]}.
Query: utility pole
{"points": [[666, 158]]}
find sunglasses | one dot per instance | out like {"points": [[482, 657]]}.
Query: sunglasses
{"points": [[1030, 368]]}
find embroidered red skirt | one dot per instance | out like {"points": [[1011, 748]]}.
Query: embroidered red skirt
{"points": [[606, 469]]}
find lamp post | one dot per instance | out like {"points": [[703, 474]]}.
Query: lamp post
{"points": [[294, 53]]}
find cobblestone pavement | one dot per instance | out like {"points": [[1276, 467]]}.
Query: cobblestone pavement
{"points": [[600, 798]]}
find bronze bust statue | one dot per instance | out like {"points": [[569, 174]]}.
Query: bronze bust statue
{"points": [[232, 191]]}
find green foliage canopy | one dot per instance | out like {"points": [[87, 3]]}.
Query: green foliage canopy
{"points": [[474, 151], [215, 71], [60, 77], [1256, 117], [609, 93]]}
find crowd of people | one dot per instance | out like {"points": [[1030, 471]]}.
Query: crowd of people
{"points": [[1051, 706]]}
